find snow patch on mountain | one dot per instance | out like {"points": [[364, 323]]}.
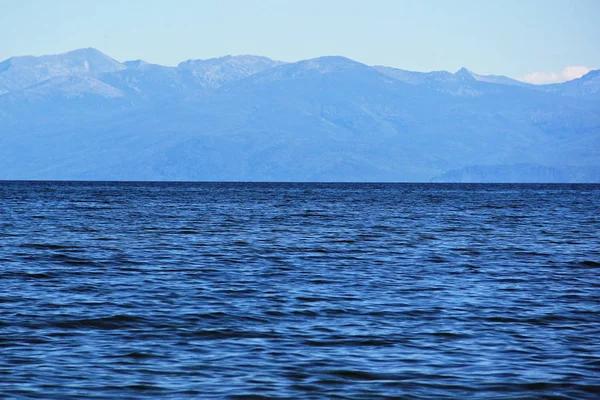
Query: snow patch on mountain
{"points": [[17, 73], [215, 72], [68, 87]]}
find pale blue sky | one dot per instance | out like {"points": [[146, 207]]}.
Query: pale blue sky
{"points": [[505, 37]]}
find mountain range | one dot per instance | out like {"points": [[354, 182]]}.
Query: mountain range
{"points": [[85, 116]]}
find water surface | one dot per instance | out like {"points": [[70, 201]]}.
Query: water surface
{"points": [[233, 290]]}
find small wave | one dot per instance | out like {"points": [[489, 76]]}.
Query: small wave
{"points": [[137, 355], [321, 282], [70, 260], [364, 342], [310, 299], [306, 313], [28, 275], [437, 260], [357, 375], [275, 313], [187, 231], [44, 246], [249, 397], [531, 253], [143, 387], [590, 264], [348, 241], [450, 335], [318, 250], [113, 322], [221, 334], [9, 299]]}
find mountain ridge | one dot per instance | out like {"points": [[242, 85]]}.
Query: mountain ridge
{"points": [[68, 64], [253, 118]]}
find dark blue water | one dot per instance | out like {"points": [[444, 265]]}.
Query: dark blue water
{"points": [[166, 290]]}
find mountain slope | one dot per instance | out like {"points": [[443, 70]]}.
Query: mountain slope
{"points": [[215, 72], [21, 72], [325, 119], [587, 85], [461, 83], [520, 173]]}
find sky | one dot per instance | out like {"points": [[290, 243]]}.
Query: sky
{"points": [[534, 40]]}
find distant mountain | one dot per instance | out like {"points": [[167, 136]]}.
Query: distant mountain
{"points": [[21, 72], [502, 80], [145, 81], [215, 72], [589, 84], [520, 173], [67, 86], [83, 115], [446, 81]]}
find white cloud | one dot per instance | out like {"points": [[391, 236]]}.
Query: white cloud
{"points": [[566, 74]]}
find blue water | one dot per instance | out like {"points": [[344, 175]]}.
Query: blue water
{"points": [[209, 290]]}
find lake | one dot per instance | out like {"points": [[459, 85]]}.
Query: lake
{"points": [[291, 290]]}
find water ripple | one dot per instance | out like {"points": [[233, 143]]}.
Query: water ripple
{"points": [[233, 290]]}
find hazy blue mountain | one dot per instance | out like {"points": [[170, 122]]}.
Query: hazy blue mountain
{"points": [[587, 85], [503, 80], [520, 173], [463, 82], [21, 72], [215, 72], [412, 77], [325, 119], [67, 86], [142, 81]]}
